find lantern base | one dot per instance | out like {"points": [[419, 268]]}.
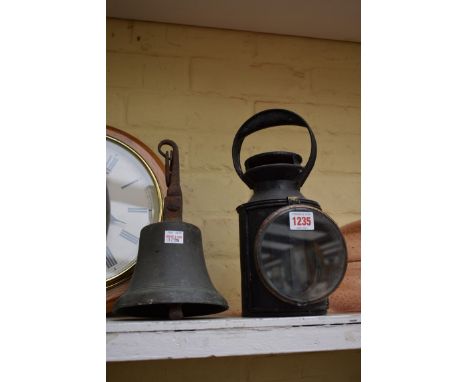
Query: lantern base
{"points": [[287, 310], [284, 314]]}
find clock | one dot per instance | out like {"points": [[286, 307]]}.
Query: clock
{"points": [[135, 189]]}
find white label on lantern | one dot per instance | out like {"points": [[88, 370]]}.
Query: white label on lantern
{"points": [[301, 221], [174, 237]]}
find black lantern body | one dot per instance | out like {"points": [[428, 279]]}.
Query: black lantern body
{"points": [[292, 254]]}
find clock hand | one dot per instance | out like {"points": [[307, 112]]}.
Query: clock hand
{"points": [[129, 184], [115, 220]]}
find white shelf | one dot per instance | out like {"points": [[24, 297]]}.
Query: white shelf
{"points": [[134, 340]]}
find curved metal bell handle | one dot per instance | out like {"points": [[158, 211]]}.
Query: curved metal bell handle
{"points": [[173, 201], [271, 118]]}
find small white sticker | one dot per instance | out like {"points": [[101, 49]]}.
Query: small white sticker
{"points": [[174, 237], [301, 221]]}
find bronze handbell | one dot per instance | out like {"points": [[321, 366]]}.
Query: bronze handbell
{"points": [[170, 278]]}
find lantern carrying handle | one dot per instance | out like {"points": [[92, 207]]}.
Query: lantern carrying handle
{"points": [[266, 119]]}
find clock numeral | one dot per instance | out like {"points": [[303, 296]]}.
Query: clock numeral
{"points": [[129, 184], [137, 209], [130, 237], [110, 164], [110, 259], [150, 192]]}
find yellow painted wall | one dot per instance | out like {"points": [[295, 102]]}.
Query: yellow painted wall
{"points": [[198, 85]]}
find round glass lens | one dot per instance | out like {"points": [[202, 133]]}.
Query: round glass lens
{"points": [[301, 254]]}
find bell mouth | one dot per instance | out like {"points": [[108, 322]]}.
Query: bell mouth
{"points": [[273, 157], [162, 311], [157, 302]]}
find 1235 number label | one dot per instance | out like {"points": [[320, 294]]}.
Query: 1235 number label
{"points": [[301, 221]]}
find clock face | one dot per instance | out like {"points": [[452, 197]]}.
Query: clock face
{"points": [[133, 202]]}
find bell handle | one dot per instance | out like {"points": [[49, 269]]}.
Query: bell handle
{"points": [[173, 202], [266, 119]]}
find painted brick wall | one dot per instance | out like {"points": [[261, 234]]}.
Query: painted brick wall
{"points": [[198, 85]]}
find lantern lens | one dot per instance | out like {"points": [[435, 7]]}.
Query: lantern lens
{"points": [[300, 254]]}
